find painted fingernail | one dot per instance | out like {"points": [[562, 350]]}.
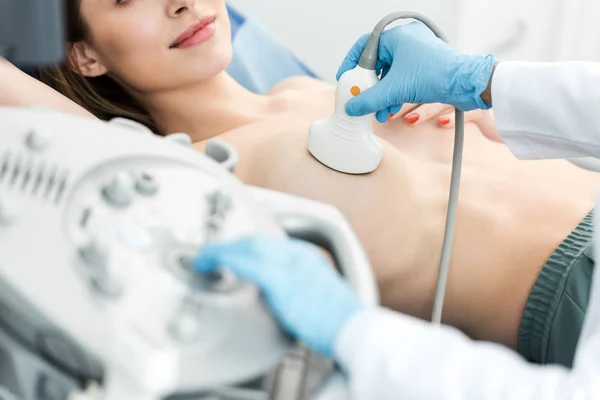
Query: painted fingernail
{"points": [[444, 121], [392, 116], [411, 118]]}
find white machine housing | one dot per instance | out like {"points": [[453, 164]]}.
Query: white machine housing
{"points": [[98, 225]]}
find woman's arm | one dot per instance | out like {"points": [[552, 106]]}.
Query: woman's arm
{"points": [[17, 89]]}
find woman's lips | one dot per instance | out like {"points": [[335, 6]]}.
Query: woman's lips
{"points": [[196, 34]]}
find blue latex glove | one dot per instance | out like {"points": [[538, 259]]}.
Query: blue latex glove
{"points": [[418, 68], [299, 284]]}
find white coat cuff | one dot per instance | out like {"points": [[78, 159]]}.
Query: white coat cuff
{"points": [[503, 83], [356, 328], [364, 332]]}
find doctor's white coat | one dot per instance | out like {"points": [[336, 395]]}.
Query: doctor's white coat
{"points": [[542, 110]]}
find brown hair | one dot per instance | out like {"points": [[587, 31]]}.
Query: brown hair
{"points": [[102, 96]]}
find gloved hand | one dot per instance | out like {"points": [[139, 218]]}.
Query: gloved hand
{"points": [[299, 284], [419, 68]]}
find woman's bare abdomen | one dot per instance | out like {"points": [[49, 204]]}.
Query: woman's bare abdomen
{"points": [[512, 214]]}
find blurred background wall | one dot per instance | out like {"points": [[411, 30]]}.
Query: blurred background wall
{"points": [[320, 32]]}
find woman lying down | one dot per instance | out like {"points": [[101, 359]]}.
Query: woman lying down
{"points": [[521, 264]]}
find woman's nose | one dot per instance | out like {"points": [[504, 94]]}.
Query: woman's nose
{"points": [[178, 7]]}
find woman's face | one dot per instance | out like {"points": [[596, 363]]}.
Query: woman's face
{"points": [[136, 40]]}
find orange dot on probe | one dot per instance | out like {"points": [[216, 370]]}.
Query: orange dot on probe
{"points": [[355, 90]]}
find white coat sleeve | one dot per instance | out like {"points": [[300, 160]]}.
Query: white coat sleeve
{"points": [[392, 356], [548, 110]]}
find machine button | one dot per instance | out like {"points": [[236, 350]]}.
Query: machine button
{"points": [[94, 255], [96, 259], [185, 326], [221, 281], [181, 138], [185, 263], [146, 184], [117, 193], [180, 262], [105, 285], [37, 140]]}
